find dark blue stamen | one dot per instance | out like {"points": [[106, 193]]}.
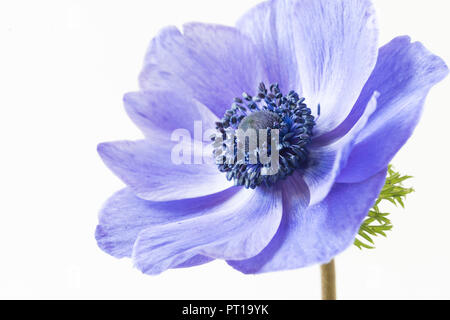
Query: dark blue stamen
{"points": [[269, 109]]}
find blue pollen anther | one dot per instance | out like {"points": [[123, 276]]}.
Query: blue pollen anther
{"points": [[269, 110]]}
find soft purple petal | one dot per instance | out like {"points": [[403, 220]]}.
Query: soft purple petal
{"points": [[310, 235], [326, 161], [162, 112], [147, 167], [211, 63], [404, 74], [124, 216], [194, 261], [331, 44], [238, 228], [270, 26]]}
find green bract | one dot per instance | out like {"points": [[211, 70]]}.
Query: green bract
{"points": [[377, 222]]}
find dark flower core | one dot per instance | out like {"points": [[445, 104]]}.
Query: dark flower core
{"points": [[285, 117]]}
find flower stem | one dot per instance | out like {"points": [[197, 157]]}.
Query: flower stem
{"points": [[328, 275]]}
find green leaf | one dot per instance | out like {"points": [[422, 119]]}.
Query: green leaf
{"points": [[377, 223]]}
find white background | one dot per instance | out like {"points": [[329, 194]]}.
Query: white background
{"points": [[64, 66]]}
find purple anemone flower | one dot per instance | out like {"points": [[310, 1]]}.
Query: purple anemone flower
{"points": [[344, 107]]}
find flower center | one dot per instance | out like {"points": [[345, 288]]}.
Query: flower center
{"points": [[263, 139], [259, 120]]}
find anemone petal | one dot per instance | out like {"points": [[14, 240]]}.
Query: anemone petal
{"points": [[325, 162], [211, 63], [315, 234], [331, 44], [125, 215], [403, 76], [238, 228], [162, 112], [148, 168]]}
